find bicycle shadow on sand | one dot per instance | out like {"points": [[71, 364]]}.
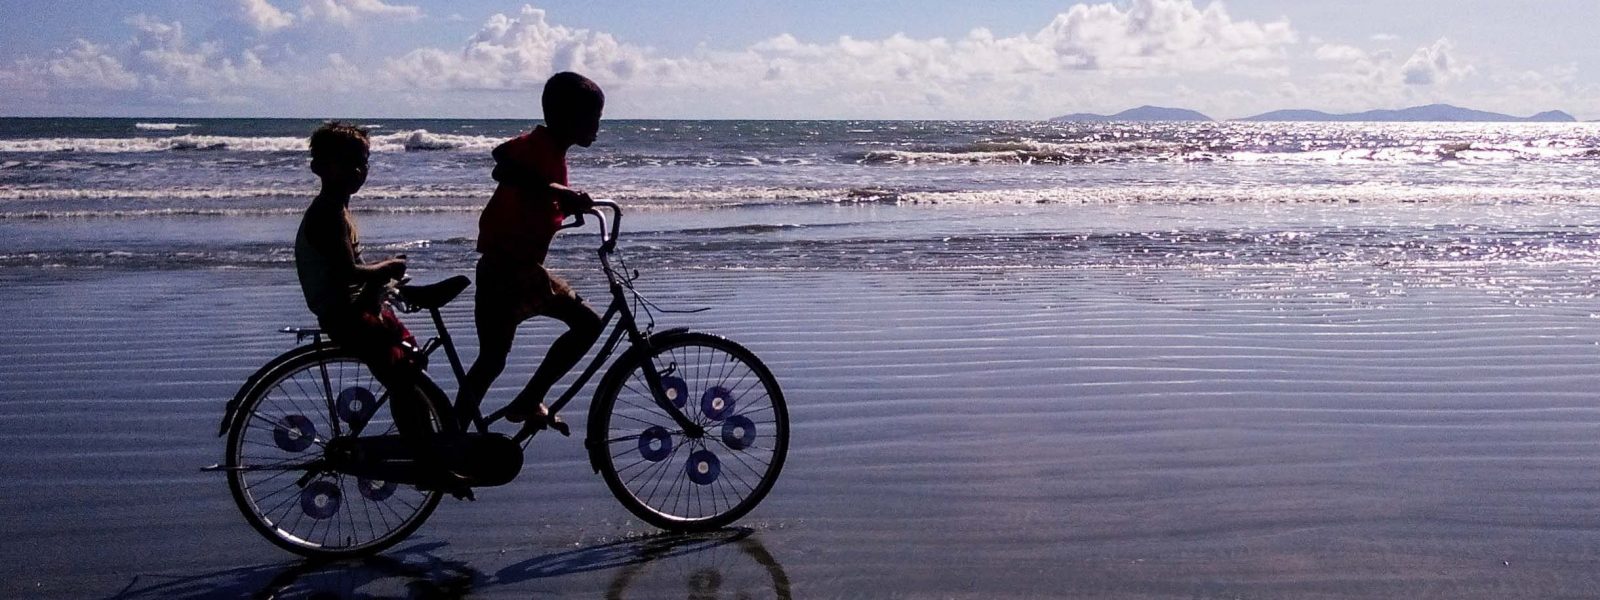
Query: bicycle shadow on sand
{"points": [[412, 572], [704, 565], [727, 562]]}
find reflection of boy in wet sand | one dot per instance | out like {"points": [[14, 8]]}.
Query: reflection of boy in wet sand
{"points": [[514, 235], [347, 294]]}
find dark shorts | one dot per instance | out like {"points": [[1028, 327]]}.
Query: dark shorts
{"points": [[511, 292], [377, 338]]}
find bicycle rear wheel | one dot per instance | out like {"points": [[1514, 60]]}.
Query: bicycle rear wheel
{"points": [[275, 452], [673, 480]]}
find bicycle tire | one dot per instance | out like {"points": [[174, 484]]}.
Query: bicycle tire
{"points": [[276, 427], [726, 472]]}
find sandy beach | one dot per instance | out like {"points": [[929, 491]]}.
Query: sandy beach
{"points": [[1142, 433]]}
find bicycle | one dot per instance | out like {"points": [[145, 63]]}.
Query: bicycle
{"points": [[689, 430]]}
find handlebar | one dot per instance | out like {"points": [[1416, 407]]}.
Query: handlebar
{"points": [[608, 233]]}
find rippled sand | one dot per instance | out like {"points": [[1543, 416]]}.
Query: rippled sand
{"points": [[1324, 431]]}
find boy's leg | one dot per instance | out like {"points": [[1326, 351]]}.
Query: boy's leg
{"points": [[583, 328], [376, 339], [494, 313], [406, 403], [495, 334]]}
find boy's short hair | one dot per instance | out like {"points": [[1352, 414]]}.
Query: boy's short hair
{"points": [[339, 143], [570, 95]]}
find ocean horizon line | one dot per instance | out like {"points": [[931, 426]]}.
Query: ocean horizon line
{"points": [[171, 118]]}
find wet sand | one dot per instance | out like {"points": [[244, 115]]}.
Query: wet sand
{"points": [[1349, 432]]}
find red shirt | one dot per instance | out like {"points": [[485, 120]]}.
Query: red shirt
{"points": [[522, 216]]}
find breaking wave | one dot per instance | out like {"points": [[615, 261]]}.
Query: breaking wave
{"points": [[400, 141], [162, 126], [214, 193], [226, 202], [1031, 152]]}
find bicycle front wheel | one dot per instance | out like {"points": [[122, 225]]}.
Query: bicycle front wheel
{"points": [[279, 479], [680, 482]]}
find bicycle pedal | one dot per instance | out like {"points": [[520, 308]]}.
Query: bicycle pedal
{"points": [[562, 427]]}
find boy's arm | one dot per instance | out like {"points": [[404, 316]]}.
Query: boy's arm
{"points": [[571, 201], [383, 271], [332, 239]]}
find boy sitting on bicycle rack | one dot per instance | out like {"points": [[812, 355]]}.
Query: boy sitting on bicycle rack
{"points": [[347, 295], [514, 237]]}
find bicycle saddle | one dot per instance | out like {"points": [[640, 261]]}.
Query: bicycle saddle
{"points": [[434, 295]]}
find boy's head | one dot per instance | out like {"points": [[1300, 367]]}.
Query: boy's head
{"points": [[339, 156], [572, 106]]}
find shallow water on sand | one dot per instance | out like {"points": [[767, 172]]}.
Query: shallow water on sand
{"points": [[1253, 429], [1022, 359]]}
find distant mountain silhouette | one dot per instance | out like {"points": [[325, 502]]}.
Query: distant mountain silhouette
{"points": [[1143, 113], [1431, 112]]}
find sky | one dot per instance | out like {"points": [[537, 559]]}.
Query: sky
{"points": [[823, 59]]}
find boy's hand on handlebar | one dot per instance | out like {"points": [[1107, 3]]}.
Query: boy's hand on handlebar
{"points": [[394, 268], [573, 202]]}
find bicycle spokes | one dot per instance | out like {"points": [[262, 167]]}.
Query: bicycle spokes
{"points": [[296, 478], [702, 442]]}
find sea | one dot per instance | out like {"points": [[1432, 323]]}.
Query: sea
{"points": [[822, 195]]}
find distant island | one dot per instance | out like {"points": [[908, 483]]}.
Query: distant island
{"points": [[1143, 113], [1431, 112]]}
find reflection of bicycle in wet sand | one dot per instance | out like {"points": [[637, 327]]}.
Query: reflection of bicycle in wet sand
{"points": [[712, 564], [689, 430], [723, 563], [411, 573]]}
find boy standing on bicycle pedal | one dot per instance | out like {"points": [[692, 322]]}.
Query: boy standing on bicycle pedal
{"points": [[514, 235], [346, 294]]}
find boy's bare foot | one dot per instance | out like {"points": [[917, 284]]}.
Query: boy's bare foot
{"points": [[536, 419]]}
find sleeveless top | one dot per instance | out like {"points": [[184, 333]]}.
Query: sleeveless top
{"points": [[326, 293]]}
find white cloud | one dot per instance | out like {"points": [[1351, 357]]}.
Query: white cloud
{"points": [[519, 53], [1340, 53], [1161, 35], [263, 16], [1435, 64], [87, 66], [167, 64], [158, 65], [897, 73], [1090, 57], [351, 12], [1349, 78]]}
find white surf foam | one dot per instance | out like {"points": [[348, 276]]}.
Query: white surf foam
{"points": [[211, 193], [400, 141], [162, 126]]}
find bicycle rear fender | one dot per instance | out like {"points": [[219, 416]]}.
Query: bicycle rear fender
{"points": [[595, 438], [251, 382]]}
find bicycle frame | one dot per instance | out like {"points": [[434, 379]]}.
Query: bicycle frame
{"points": [[619, 311]]}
